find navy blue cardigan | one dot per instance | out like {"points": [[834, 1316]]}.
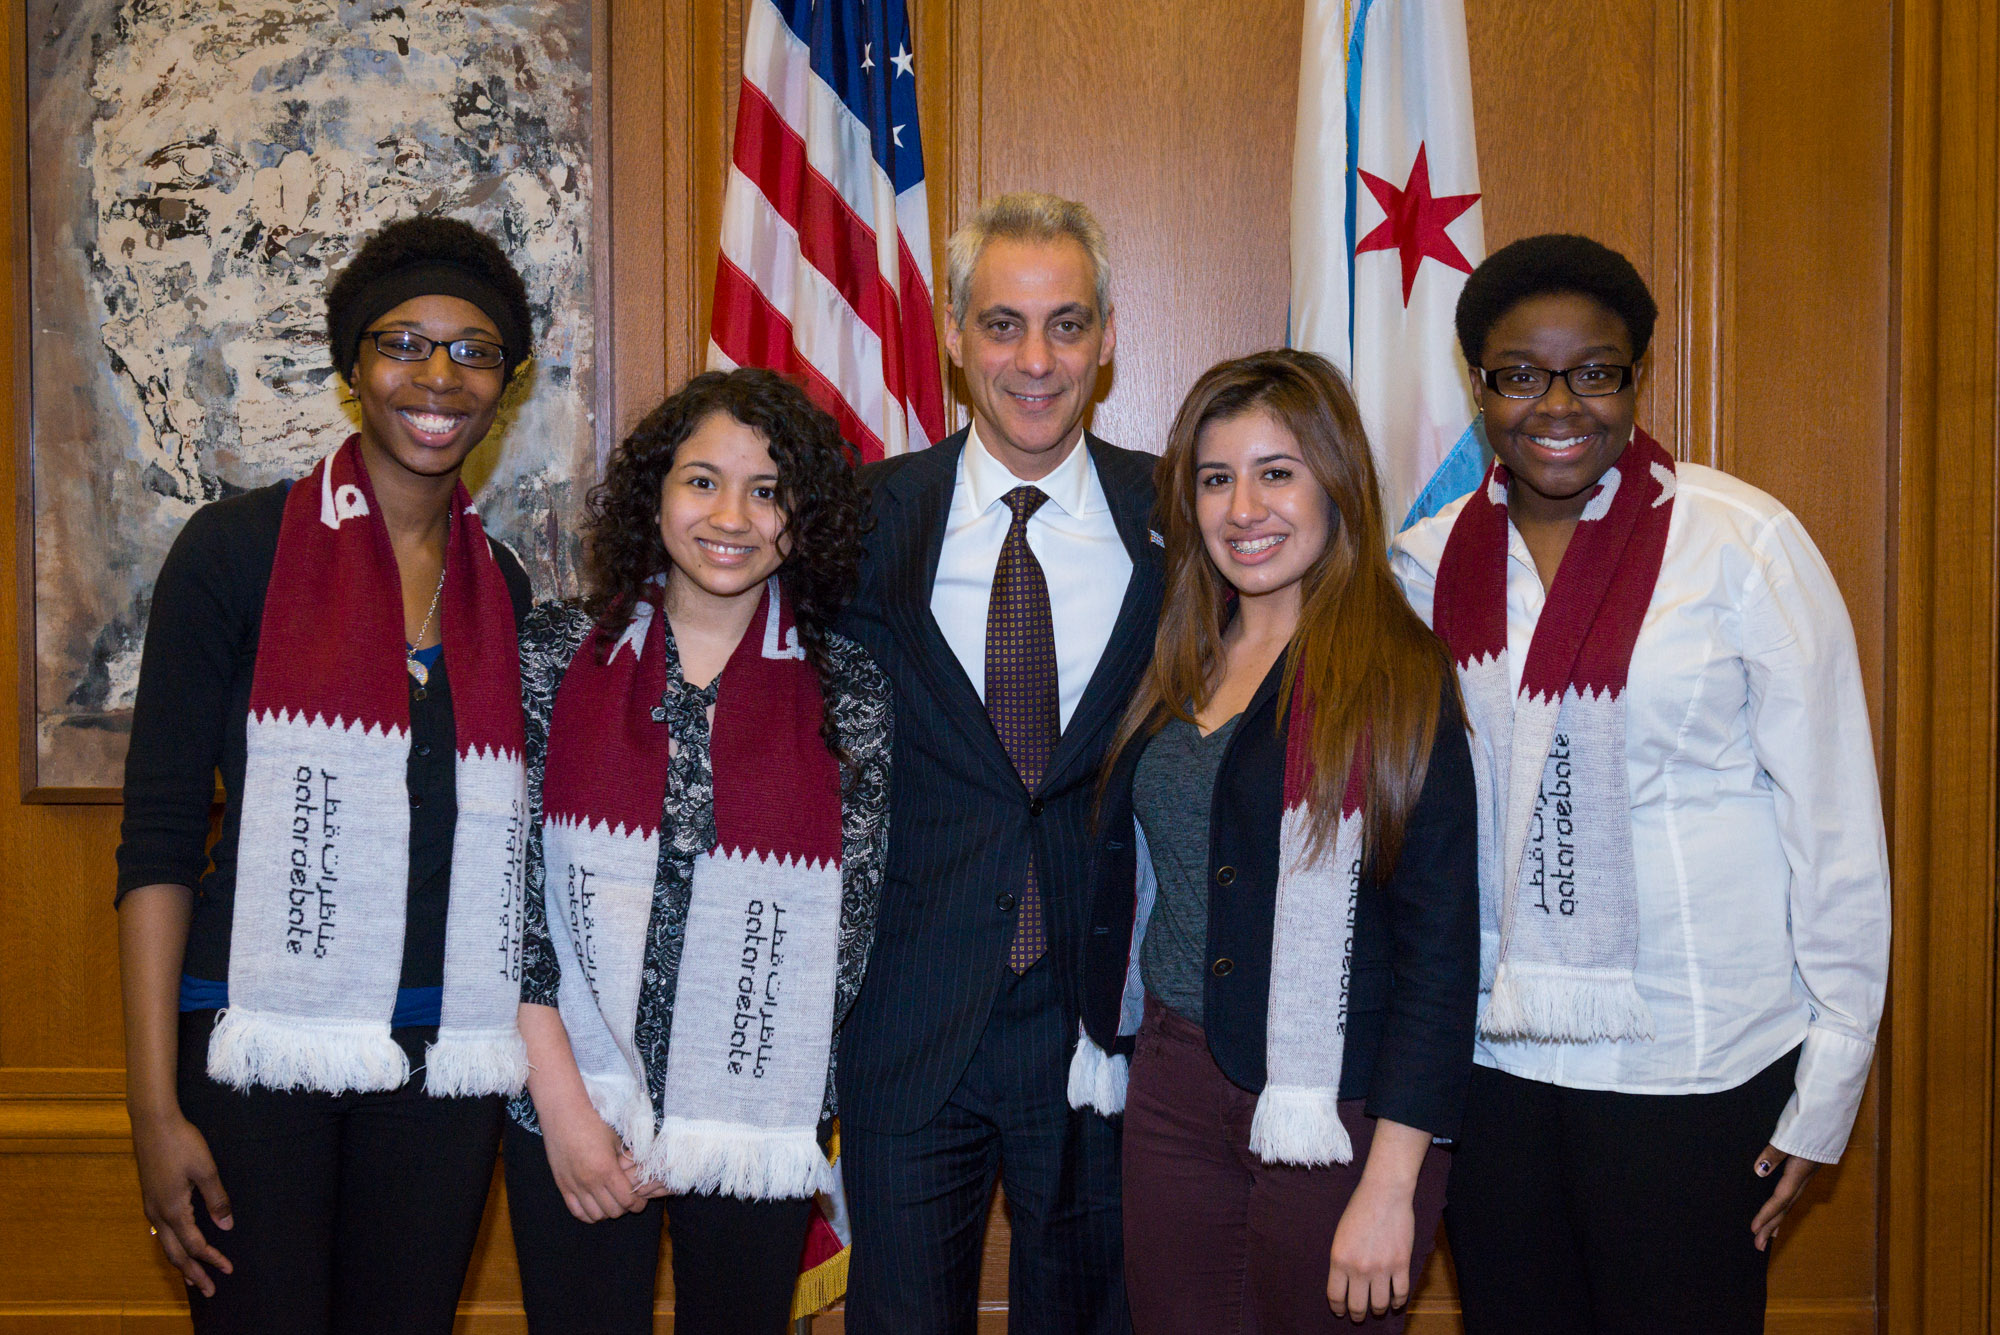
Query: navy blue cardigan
{"points": [[1416, 934]]}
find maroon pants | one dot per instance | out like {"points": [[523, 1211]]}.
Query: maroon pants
{"points": [[1216, 1241]]}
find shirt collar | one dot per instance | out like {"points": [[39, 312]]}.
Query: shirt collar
{"points": [[1072, 487]]}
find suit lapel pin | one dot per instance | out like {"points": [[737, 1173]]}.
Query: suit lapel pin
{"points": [[1154, 534]]}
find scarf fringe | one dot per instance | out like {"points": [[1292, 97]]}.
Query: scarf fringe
{"points": [[1560, 1005], [730, 1159], [1295, 1124], [470, 1062], [284, 1052], [1097, 1078]]}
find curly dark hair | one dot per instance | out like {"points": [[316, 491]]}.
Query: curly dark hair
{"points": [[825, 508], [1556, 262], [427, 243]]}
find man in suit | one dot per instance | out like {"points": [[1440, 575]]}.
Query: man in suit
{"points": [[1010, 590]]}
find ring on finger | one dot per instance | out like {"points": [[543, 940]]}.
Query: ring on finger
{"points": [[154, 1232]]}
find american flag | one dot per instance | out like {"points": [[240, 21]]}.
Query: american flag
{"points": [[825, 271]]}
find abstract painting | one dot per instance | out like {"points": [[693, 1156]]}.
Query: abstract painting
{"points": [[198, 169]]}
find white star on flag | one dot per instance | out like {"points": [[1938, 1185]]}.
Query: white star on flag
{"points": [[904, 62], [867, 55]]}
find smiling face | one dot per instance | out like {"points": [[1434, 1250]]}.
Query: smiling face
{"points": [[1030, 348], [425, 417], [719, 515], [1559, 445], [1264, 517]]}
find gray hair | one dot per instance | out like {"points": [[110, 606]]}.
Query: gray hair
{"points": [[1025, 215]]}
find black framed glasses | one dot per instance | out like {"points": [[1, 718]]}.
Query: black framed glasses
{"points": [[404, 345], [1593, 380]]}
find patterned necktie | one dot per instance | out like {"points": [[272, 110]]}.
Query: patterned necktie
{"points": [[1021, 695]]}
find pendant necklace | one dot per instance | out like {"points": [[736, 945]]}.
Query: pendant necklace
{"points": [[418, 671]]}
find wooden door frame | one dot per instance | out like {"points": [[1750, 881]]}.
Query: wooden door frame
{"points": [[1938, 1169]]}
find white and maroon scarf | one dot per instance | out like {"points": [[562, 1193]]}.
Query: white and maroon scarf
{"points": [[752, 1028], [1559, 911], [1297, 1119], [323, 857]]}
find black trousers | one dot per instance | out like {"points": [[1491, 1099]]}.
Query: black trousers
{"points": [[736, 1262], [354, 1213], [1582, 1212], [918, 1202]]}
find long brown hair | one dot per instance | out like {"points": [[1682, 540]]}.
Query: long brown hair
{"points": [[1371, 669]]}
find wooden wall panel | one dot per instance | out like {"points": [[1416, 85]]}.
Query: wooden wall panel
{"points": [[1942, 1177], [1174, 123]]}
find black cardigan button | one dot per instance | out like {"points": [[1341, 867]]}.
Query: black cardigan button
{"points": [[1225, 875], [1223, 967], [1035, 806], [1003, 901]]}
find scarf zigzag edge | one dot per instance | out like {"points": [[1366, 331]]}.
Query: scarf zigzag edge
{"points": [[282, 717]]}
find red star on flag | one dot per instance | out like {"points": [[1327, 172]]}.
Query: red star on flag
{"points": [[1416, 222]]}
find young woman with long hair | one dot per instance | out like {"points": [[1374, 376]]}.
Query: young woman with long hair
{"points": [[708, 763], [1283, 928], [318, 1025]]}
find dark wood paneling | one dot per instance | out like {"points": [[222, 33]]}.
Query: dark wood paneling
{"points": [[1942, 1177]]}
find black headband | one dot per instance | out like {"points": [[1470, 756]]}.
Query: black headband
{"points": [[434, 279]]}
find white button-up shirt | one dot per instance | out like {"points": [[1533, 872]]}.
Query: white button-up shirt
{"points": [[1073, 536], [1763, 876]]}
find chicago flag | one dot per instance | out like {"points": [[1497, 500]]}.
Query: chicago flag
{"points": [[1385, 227]]}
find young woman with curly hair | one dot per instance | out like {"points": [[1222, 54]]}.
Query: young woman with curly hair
{"points": [[708, 764], [316, 1035]]}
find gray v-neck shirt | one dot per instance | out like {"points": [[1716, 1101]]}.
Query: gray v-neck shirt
{"points": [[1173, 789]]}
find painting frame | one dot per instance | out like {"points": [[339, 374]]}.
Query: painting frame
{"points": [[34, 785]]}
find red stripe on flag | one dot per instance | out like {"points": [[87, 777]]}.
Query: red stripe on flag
{"points": [[753, 332], [832, 237], [918, 346]]}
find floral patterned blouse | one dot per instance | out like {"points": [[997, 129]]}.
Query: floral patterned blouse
{"points": [[550, 638]]}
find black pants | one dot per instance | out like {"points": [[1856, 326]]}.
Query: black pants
{"points": [[1581, 1212], [919, 1202], [354, 1213], [736, 1262]]}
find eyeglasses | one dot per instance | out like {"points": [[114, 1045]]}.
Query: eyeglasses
{"points": [[404, 346], [1591, 381]]}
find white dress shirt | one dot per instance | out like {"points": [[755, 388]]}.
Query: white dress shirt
{"points": [[1763, 876], [1072, 535]]}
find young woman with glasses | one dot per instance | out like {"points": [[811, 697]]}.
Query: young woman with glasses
{"points": [[1289, 925], [1683, 883], [319, 1024]]}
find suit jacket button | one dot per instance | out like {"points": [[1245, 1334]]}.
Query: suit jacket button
{"points": [[1003, 901], [1223, 967], [1225, 875], [1035, 806]]}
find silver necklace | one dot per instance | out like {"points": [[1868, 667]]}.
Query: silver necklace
{"points": [[417, 669]]}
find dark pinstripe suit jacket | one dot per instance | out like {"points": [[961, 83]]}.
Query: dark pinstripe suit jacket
{"points": [[961, 824]]}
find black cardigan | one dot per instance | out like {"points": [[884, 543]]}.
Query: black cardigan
{"points": [[1416, 935]]}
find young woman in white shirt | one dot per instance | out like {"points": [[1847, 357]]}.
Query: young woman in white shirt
{"points": [[1681, 973]]}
